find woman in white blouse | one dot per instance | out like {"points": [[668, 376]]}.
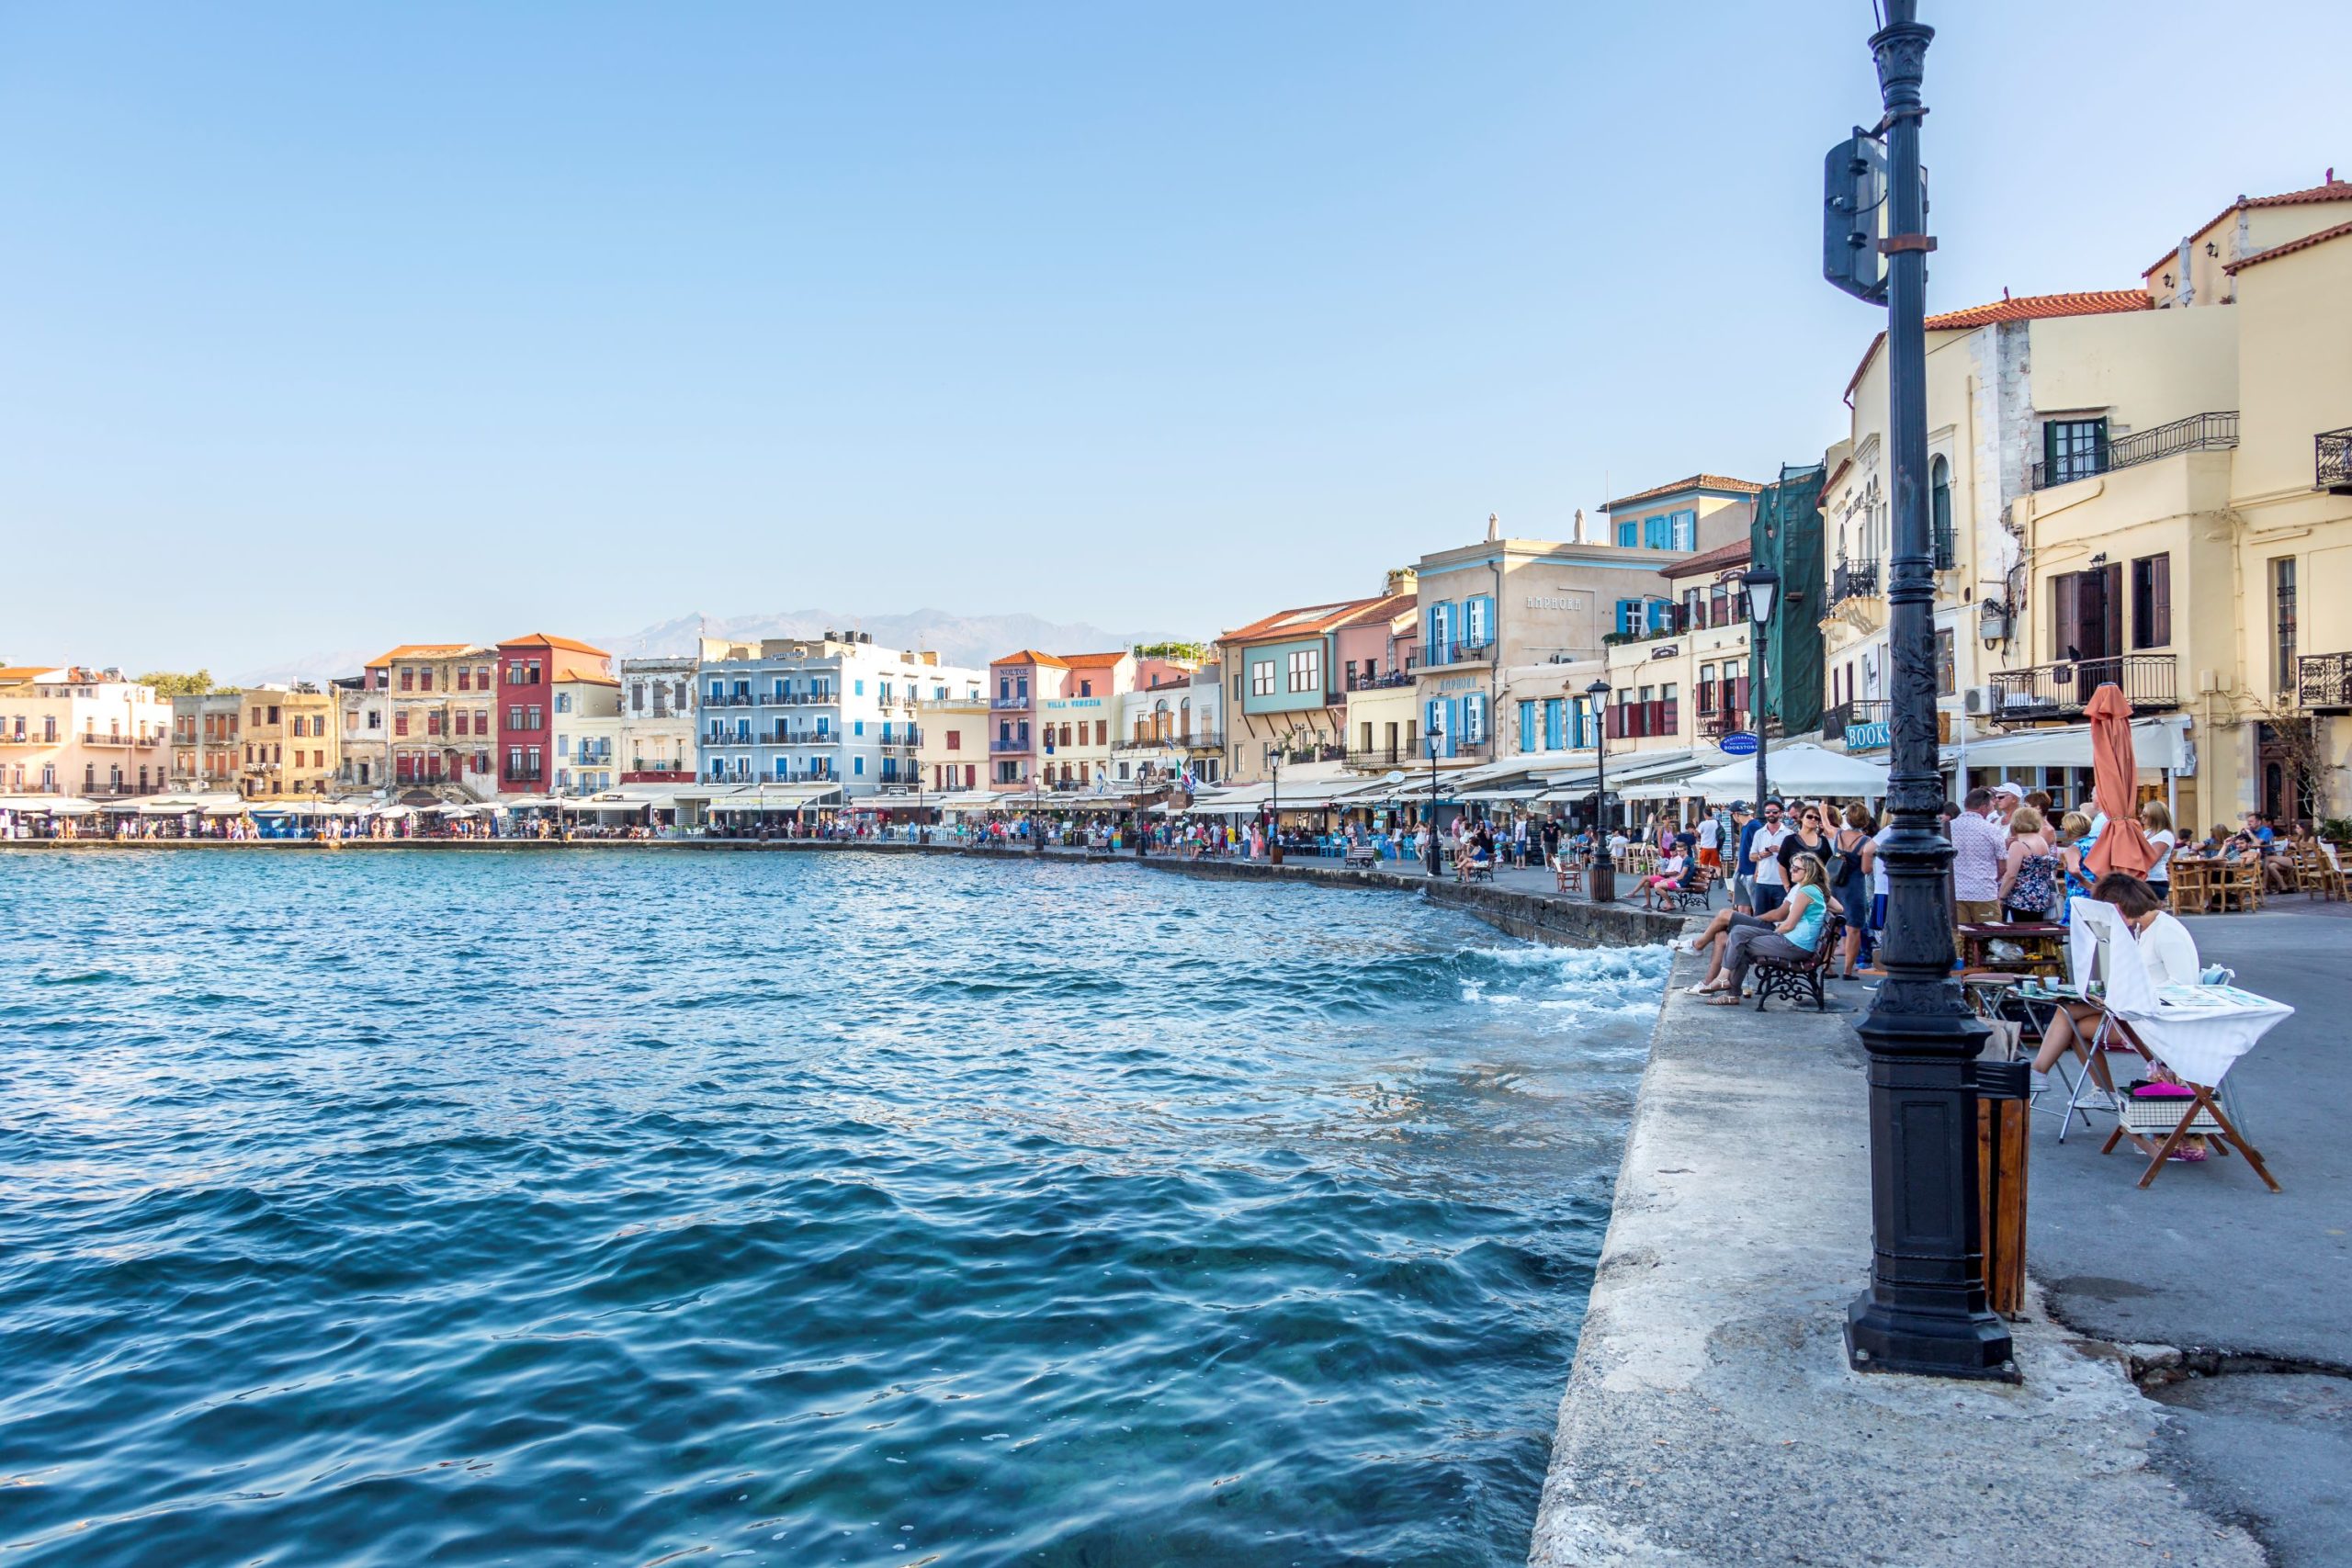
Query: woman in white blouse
{"points": [[2167, 951]]}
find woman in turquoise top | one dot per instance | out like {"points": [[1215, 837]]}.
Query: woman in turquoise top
{"points": [[1790, 939]]}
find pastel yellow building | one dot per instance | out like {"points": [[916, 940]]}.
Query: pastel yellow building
{"points": [[2199, 555], [953, 751], [73, 731], [290, 742]]}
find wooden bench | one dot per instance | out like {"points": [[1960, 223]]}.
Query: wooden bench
{"points": [[1360, 854], [1476, 870], [1796, 980]]}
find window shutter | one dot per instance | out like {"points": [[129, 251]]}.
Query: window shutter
{"points": [[2158, 632]]}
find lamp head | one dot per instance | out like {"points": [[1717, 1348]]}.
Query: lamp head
{"points": [[1598, 690], [1763, 585]]}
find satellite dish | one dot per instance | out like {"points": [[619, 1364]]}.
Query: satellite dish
{"points": [[1392, 777]]}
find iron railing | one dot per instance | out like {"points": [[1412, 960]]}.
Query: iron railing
{"points": [[2323, 682], [1452, 650], [2149, 681], [1358, 681], [2332, 461], [1853, 580], [2198, 433], [1396, 756], [1010, 704], [1837, 721], [1000, 746]]}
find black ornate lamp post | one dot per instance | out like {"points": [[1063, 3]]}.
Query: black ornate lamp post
{"points": [[1274, 817], [1763, 586], [1604, 864], [1925, 1311]]}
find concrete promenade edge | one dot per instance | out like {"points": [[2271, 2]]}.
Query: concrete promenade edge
{"points": [[1710, 1415]]}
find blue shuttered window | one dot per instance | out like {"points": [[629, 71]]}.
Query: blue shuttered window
{"points": [[1527, 736]]}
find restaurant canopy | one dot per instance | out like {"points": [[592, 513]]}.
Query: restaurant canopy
{"points": [[2159, 745], [1793, 768], [49, 805], [771, 796]]}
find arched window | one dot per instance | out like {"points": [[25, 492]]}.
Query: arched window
{"points": [[1940, 515]]}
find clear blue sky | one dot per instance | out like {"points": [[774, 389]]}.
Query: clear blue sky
{"points": [[327, 326]]}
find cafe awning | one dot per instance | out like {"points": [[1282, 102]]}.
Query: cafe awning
{"points": [[2159, 744], [49, 805]]}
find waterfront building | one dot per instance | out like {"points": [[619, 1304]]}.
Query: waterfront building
{"points": [[1076, 728], [2186, 517], [1172, 720], [205, 753], [289, 744], [952, 753], [421, 716], [1016, 685], [658, 710], [530, 668], [1284, 683], [1384, 716], [2101, 511], [829, 709], [66, 729], [1506, 604], [586, 725]]}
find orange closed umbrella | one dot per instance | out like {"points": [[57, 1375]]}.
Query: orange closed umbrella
{"points": [[2114, 776]]}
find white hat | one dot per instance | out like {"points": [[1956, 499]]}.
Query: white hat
{"points": [[2009, 786]]}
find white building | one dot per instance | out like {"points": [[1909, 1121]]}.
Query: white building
{"points": [[658, 719], [830, 709]]}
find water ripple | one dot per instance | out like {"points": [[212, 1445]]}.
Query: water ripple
{"points": [[801, 1210]]}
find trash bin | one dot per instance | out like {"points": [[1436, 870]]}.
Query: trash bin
{"points": [[2004, 1090]]}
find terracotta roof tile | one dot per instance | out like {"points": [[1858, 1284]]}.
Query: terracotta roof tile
{"points": [[1707, 562], [2329, 189], [1031, 656], [2042, 307], [27, 671], [2289, 248], [1094, 660], [544, 640], [1696, 481], [1304, 620], [422, 651]]}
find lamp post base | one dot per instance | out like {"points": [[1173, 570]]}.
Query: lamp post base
{"points": [[1888, 1340], [1603, 880]]}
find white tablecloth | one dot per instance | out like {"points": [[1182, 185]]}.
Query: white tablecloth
{"points": [[2200, 1032]]}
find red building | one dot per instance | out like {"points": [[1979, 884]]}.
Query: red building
{"points": [[528, 669]]}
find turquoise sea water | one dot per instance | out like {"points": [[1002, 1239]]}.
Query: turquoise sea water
{"points": [[531, 1207]]}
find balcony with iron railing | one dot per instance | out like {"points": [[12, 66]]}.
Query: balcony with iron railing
{"points": [[2323, 682], [2198, 433], [1386, 680], [1853, 580], [1437, 654], [1837, 721], [2332, 461], [2149, 681], [1019, 746], [1010, 705], [1379, 758]]}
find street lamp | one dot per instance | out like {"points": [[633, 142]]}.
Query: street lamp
{"points": [[1436, 743], [1924, 1310], [1763, 586], [1604, 864], [1274, 827]]}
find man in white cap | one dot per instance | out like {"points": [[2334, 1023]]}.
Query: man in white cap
{"points": [[2006, 797]]}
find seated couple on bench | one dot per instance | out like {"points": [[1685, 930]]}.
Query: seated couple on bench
{"points": [[1794, 938], [1679, 882]]}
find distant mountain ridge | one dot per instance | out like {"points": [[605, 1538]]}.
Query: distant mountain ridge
{"points": [[970, 640]]}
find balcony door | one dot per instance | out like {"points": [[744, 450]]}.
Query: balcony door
{"points": [[2087, 614]]}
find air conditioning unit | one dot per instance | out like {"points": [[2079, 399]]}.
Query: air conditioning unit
{"points": [[1977, 700]]}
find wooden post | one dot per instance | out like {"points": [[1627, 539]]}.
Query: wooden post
{"points": [[2003, 1115]]}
